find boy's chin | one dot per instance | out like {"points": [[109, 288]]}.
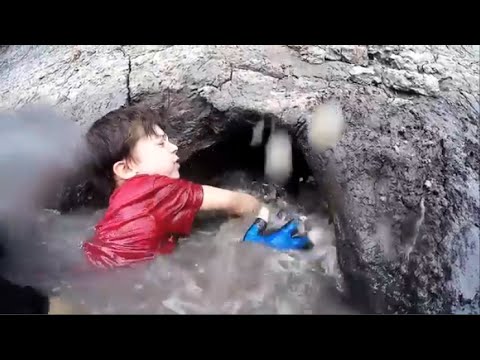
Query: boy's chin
{"points": [[175, 174]]}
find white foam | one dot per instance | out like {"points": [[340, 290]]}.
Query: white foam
{"points": [[257, 134], [278, 157], [326, 126]]}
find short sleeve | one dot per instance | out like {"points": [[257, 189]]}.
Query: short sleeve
{"points": [[176, 203]]}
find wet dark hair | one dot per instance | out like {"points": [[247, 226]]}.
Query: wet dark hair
{"points": [[112, 138]]}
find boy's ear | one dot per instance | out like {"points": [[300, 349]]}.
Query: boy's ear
{"points": [[122, 170]]}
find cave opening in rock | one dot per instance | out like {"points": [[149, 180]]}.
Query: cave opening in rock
{"points": [[233, 162]]}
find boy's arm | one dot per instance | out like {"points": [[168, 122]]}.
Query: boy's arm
{"points": [[232, 202]]}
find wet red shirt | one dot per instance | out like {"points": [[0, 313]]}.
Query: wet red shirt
{"points": [[144, 218]]}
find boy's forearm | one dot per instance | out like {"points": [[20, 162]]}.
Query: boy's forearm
{"points": [[233, 202], [245, 204]]}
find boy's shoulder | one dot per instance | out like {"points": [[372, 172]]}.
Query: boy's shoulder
{"points": [[134, 195], [139, 185]]}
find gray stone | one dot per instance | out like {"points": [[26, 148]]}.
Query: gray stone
{"points": [[355, 54], [68, 77], [406, 81]]}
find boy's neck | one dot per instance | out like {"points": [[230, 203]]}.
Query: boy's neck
{"points": [[119, 182]]}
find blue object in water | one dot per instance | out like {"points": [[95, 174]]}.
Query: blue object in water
{"points": [[282, 239]]}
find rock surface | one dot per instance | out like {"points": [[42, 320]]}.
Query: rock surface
{"points": [[412, 116]]}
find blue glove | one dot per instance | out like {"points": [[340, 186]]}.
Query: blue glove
{"points": [[282, 239]]}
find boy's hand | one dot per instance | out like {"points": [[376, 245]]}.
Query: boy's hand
{"points": [[232, 202], [282, 239]]}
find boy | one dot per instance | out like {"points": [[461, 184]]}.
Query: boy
{"points": [[150, 206]]}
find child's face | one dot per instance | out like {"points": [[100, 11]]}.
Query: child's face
{"points": [[156, 155]]}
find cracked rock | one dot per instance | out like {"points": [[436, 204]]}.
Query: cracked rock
{"points": [[406, 81]]}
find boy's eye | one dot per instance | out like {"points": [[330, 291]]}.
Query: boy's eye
{"points": [[163, 140]]}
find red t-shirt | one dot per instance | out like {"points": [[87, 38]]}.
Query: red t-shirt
{"points": [[144, 217]]}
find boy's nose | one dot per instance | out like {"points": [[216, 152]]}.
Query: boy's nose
{"points": [[173, 147]]}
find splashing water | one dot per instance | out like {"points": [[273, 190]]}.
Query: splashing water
{"points": [[210, 272]]}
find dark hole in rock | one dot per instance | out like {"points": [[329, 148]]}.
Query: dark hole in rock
{"points": [[233, 155]]}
